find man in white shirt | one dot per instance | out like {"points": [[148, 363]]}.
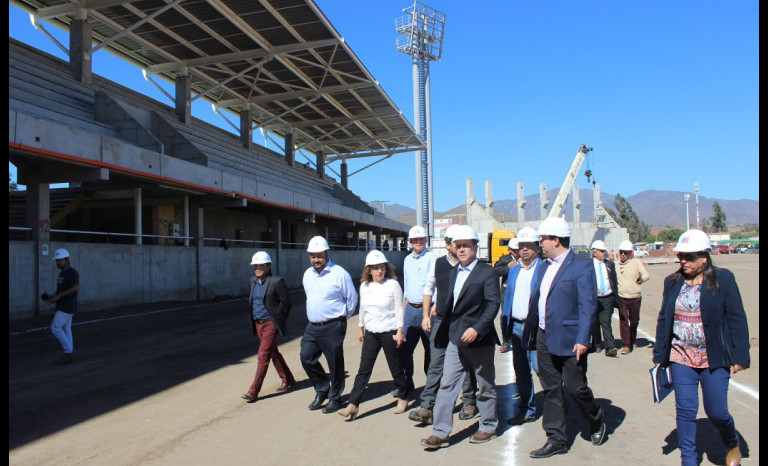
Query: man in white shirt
{"points": [[607, 294], [331, 300]]}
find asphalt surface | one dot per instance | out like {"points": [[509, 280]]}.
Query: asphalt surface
{"points": [[161, 384]]}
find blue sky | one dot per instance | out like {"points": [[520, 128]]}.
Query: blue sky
{"points": [[665, 92]]}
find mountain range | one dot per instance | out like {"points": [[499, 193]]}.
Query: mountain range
{"points": [[658, 209]]}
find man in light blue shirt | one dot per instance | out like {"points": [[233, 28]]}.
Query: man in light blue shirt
{"points": [[415, 272], [331, 300]]}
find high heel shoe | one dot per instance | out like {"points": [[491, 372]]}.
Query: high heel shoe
{"points": [[350, 412], [402, 406]]}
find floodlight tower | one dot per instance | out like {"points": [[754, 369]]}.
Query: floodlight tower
{"points": [[422, 38]]}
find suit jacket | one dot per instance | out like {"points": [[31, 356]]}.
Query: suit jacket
{"points": [[476, 307], [571, 308], [509, 294], [276, 300], [611, 267], [723, 317]]}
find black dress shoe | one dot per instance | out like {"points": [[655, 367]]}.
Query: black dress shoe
{"points": [[318, 403], [332, 407], [598, 435], [549, 449]]}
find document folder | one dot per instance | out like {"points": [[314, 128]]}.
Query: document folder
{"points": [[661, 380]]}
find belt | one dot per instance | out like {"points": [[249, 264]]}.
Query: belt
{"points": [[605, 295], [519, 321], [262, 321], [338, 319], [417, 306]]}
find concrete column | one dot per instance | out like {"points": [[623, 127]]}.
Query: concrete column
{"points": [[137, 204], [356, 239], [186, 221], [246, 129], [290, 154], [378, 241], [184, 98], [39, 220], [576, 204], [320, 164], [80, 63], [344, 174], [543, 200], [470, 201], [197, 217], [520, 205]]}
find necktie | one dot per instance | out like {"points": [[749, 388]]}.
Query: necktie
{"points": [[602, 280]]}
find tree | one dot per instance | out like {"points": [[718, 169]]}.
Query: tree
{"points": [[626, 217], [718, 220], [11, 185]]}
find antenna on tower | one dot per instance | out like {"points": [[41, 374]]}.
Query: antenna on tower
{"points": [[421, 36]]}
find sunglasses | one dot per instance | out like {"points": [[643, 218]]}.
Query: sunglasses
{"points": [[689, 256], [528, 245]]}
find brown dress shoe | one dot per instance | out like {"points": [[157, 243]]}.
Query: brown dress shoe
{"points": [[250, 397], [285, 386], [625, 350]]}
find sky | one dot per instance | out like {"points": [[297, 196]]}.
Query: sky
{"points": [[665, 92]]}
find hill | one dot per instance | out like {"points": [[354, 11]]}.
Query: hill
{"points": [[664, 209]]}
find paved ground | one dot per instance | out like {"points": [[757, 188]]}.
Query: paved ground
{"points": [[162, 384]]}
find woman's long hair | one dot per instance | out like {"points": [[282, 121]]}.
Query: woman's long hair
{"points": [[708, 273], [367, 278]]}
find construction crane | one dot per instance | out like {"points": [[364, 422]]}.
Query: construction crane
{"points": [[565, 189]]}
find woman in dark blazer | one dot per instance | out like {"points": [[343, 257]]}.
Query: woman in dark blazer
{"points": [[702, 335]]}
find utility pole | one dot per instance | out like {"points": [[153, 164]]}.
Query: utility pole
{"points": [[422, 38], [696, 188]]}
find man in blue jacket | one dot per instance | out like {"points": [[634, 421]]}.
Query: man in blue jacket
{"points": [[562, 322], [520, 282]]}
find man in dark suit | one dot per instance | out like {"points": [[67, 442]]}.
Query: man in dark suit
{"points": [[561, 321], [269, 306], [607, 294], [469, 336]]}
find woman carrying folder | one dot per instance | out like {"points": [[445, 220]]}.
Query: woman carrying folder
{"points": [[702, 335]]}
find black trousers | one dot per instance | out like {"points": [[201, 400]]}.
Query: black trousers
{"points": [[325, 340], [372, 343], [554, 373], [604, 315]]}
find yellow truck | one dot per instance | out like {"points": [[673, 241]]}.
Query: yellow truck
{"points": [[497, 243]]}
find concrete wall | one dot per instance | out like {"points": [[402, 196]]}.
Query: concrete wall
{"points": [[113, 275]]}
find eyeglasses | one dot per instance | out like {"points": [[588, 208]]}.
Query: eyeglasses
{"points": [[625, 252], [528, 245], [417, 240], [689, 256]]}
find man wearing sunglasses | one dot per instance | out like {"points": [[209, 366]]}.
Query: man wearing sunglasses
{"points": [[630, 274]]}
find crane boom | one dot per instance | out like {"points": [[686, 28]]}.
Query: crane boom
{"points": [[565, 189]]}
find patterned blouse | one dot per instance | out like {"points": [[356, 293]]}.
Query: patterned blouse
{"points": [[689, 347]]}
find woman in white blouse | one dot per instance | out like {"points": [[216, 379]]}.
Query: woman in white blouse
{"points": [[381, 328]]}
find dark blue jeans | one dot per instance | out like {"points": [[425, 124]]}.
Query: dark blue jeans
{"points": [[523, 361], [714, 390]]}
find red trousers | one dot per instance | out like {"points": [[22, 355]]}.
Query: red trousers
{"points": [[267, 332], [629, 315]]}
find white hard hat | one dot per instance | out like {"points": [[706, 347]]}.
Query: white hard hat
{"points": [[527, 235], [693, 241], [465, 232], [513, 244], [449, 232], [60, 254], [317, 244], [599, 244], [555, 226], [417, 232], [375, 257], [261, 257], [626, 245]]}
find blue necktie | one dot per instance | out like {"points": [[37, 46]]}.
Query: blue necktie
{"points": [[602, 280]]}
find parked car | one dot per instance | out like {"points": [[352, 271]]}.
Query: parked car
{"points": [[742, 248], [639, 253], [724, 249]]}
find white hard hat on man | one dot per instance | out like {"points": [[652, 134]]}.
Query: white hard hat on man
{"points": [[527, 235], [318, 244], [463, 232], [60, 254], [417, 232], [599, 245], [555, 226], [261, 257]]}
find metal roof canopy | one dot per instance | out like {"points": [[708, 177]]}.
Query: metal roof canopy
{"points": [[280, 59]]}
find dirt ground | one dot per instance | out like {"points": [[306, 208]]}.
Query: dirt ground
{"points": [[161, 385]]}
